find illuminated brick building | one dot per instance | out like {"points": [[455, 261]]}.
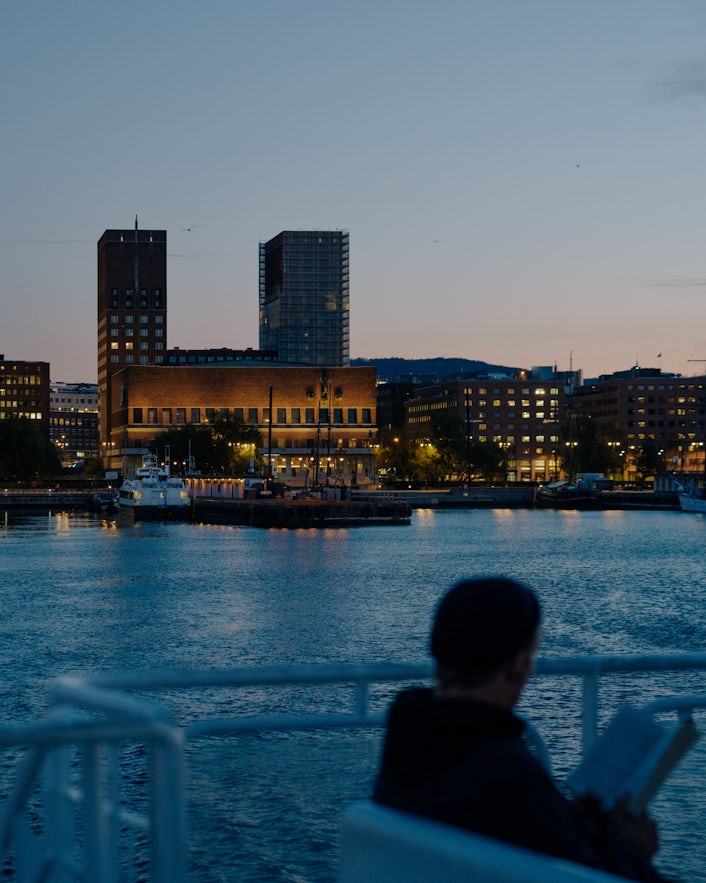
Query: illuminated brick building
{"points": [[24, 392], [317, 425], [641, 404], [522, 416]]}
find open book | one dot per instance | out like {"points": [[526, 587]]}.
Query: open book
{"points": [[632, 758]]}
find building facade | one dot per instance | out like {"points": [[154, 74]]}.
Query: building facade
{"points": [[24, 392], [642, 404], [132, 308], [73, 420], [521, 416], [317, 425], [304, 297]]}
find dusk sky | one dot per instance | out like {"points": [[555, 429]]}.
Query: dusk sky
{"points": [[523, 180]]}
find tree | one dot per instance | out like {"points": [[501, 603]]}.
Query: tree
{"points": [[25, 453], [649, 459], [222, 447]]}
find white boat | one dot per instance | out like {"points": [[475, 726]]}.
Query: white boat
{"points": [[693, 501], [153, 494]]}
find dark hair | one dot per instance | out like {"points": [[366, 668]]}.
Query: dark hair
{"points": [[480, 624]]}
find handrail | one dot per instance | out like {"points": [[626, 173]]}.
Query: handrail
{"points": [[107, 715]]}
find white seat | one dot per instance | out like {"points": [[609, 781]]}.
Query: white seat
{"points": [[380, 845]]}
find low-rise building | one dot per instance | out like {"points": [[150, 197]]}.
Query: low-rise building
{"points": [[318, 425]]}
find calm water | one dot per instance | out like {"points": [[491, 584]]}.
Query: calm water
{"points": [[80, 593]]}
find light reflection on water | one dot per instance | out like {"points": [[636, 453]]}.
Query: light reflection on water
{"points": [[81, 593]]}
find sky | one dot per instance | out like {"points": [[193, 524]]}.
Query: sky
{"points": [[523, 180]]}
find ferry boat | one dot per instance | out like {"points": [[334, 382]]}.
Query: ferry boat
{"points": [[154, 495]]}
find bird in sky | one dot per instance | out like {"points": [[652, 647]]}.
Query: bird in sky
{"points": [[187, 229]]}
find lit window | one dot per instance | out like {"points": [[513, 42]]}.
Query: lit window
{"points": [[115, 345], [128, 345]]}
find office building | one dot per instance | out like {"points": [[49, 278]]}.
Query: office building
{"points": [[73, 420], [24, 392], [132, 308], [521, 416], [642, 404], [304, 297]]}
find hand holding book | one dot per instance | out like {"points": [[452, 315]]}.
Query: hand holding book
{"points": [[631, 759]]}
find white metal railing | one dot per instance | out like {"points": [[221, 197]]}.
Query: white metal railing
{"points": [[87, 829]]}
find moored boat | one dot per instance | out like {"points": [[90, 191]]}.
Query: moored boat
{"points": [[566, 495], [154, 495], [693, 501]]}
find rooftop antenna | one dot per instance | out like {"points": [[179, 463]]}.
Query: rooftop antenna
{"points": [[137, 262]]}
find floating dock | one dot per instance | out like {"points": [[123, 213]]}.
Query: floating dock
{"points": [[301, 513]]}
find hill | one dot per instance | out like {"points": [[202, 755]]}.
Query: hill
{"points": [[392, 368]]}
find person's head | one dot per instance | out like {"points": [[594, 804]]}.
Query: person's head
{"points": [[483, 627]]}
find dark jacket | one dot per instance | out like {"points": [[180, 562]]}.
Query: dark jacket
{"points": [[465, 763]]}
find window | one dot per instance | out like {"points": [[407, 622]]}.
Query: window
{"points": [[144, 332], [338, 415], [128, 345], [128, 360], [181, 415], [252, 415], [114, 359], [281, 415], [159, 320], [237, 413], [128, 332], [129, 320], [352, 415], [159, 332], [114, 320], [366, 415], [309, 415], [296, 415], [144, 345], [196, 415], [144, 360], [265, 415], [159, 346], [144, 320], [115, 332], [152, 416], [323, 415], [137, 415], [115, 345], [166, 416]]}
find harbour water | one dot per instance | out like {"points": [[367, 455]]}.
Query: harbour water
{"points": [[80, 593]]}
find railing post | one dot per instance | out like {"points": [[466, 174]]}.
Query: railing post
{"points": [[361, 698], [589, 702], [167, 814]]}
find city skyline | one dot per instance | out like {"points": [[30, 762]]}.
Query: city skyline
{"points": [[521, 181]]}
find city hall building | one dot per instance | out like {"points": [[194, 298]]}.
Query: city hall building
{"points": [[317, 425]]}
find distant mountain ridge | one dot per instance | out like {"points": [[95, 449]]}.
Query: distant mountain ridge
{"points": [[393, 367]]}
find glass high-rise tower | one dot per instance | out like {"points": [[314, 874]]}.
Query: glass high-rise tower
{"points": [[304, 299]]}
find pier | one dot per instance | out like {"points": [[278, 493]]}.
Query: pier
{"points": [[301, 513]]}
